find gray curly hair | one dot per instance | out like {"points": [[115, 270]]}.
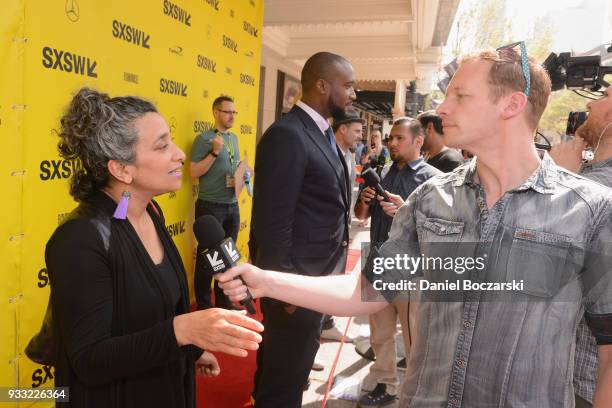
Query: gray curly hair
{"points": [[95, 129]]}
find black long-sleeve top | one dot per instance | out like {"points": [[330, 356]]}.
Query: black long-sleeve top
{"points": [[113, 312]]}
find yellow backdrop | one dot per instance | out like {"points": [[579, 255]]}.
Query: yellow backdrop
{"points": [[180, 54]]}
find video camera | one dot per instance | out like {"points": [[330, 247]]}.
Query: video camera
{"points": [[584, 74], [580, 72]]}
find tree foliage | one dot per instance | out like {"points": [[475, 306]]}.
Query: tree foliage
{"points": [[561, 103], [483, 25]]}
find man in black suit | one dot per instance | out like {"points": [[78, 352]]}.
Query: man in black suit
{"points": [[300, 222]]}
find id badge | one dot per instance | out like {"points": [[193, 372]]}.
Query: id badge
{"points": [[230, 181]]}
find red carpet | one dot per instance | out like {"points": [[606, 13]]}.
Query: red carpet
{"points": [[232, 388]]}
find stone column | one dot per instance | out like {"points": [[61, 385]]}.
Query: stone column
{"points": [[400, 99]]}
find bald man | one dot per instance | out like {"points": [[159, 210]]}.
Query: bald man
{"points": [[300, 222]]}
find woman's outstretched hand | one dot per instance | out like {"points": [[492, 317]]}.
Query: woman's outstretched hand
{"points": [[214, 329]]}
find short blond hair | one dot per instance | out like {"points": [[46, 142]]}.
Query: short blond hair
{"points": [[506, 76]]}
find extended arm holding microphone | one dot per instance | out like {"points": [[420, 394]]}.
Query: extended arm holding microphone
{"points": [[337, 295]]}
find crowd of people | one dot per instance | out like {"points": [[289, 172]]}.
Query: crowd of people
{"points": [[124, 332]]}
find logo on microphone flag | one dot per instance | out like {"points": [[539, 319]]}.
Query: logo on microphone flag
{"points": [[230, 251], [217, 264]]}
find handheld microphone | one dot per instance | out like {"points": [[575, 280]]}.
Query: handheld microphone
{"points": [[220, 253], [247, 183], [372, 179], [380, 163]]}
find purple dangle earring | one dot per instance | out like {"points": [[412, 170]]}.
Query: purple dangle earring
{"points": [[122, 207]]}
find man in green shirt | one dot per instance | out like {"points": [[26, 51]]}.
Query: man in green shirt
{"points": [[215, 161]]}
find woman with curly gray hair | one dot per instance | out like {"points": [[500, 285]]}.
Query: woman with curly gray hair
{"points": [[119, 293]]}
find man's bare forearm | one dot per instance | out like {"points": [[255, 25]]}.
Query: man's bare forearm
{"points": [[337, 295], [201, 168]]}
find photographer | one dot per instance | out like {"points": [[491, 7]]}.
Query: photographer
{"points": [[596, 133], [376, 155]]}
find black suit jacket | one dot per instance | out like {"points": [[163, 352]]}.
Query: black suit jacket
{"points": [[301, 199]]}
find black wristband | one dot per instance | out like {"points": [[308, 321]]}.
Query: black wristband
{"points": [[215, 155]]}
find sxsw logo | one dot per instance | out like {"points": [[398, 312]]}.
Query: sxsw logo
{"points": [[176, 229], [213, 3], [230, 44], [200, 126], [246, 129], [40, 376], [207, 63], [230, 251], [215, 261], [172, 87], [177, 13], [68, 62], [43, 278], [250, 29], [247, 79], [130, 34], [58, 169]]}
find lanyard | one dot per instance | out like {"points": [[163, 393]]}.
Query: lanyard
{"points": [[229, 146]]}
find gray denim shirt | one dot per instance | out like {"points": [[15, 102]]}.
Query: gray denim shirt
{"points": [[552, 232]]}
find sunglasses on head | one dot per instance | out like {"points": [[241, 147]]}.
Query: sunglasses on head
{"points": [[508, 50]]}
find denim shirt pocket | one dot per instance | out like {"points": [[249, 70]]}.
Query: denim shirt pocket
{"points": [[439, 230], [440, 238], [539, 260]]}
